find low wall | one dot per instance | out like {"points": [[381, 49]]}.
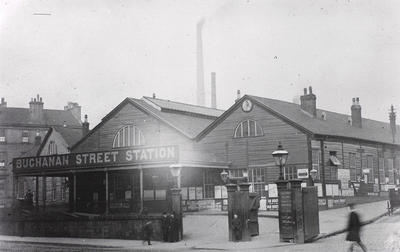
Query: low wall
{"points": [[100, 227]]}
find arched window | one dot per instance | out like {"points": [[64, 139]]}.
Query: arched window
{"points": [[248, 128], [128, 136]]}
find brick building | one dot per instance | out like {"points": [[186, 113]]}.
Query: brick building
{"points": [[34, 131]]}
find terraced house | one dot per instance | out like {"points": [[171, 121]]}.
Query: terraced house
{"points": [[30, 132]]}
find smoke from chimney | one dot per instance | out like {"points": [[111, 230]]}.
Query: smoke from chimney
{"points": [[200, 70]]}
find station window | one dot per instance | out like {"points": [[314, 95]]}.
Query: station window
{"points": [[2, 159], [25, 136], [52, 148], [389, 171], [211, 179], [128, 136], [248, 128], [370, 167], [53, 188], [2, 135], [257, 180], [352, 166], [316, 157]]}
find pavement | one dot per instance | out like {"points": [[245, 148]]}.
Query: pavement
{"points": [[209, 231]]}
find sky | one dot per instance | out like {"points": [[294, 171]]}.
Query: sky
{"points": [[98, 52]]}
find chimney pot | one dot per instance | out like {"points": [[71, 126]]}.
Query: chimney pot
{"points": [[310, 89], [356, 113], [85, 126], [154, 95], [3, 103], [308, 102], [237, 95]]}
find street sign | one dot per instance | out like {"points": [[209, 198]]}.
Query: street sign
{"points": [[302, 173]]}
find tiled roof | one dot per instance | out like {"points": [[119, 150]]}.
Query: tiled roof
{"points": [[70, 135], [187, 119], [12, 116], [189, 124], [335, 124], [166, 105]]}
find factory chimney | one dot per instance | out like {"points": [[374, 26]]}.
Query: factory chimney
{"points": [[213, 91], [200, 70], [392, 118]]}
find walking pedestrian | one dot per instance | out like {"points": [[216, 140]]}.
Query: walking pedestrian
{"points": [[236, 228], [353, 228], [147, 232]]}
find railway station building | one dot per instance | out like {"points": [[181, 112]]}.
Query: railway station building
{"points": [[123, 164]]}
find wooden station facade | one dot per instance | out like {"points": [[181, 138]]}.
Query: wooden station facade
{"points": [[123, 164]]}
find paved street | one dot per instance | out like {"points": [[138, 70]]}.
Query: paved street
{"points": [[382, 236], [209, 232]]}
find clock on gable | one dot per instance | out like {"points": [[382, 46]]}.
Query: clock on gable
{"points": [[247, 105]]}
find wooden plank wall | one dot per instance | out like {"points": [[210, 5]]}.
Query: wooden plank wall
{"points": [[362, 149], [255, 151], [155, 132]]}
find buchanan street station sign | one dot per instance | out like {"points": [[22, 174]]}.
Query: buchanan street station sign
{"points": [[117, 157]]}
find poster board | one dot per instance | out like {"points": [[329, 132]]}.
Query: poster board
{"points": [[344, 177], [192, 193]]}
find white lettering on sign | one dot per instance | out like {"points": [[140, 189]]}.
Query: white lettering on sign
{"points": [[42, 162], [151, 154], [115, 157], [96, 158]]}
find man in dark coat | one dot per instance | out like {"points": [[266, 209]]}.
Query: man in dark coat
{"points": [[171, 230], [174, 227], [165, 226], [353, 228], [147, 232], [236, 228]]}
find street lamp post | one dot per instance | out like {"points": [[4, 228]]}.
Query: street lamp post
{"points": [[176, 172], [176, 196], [313, 174], [224, 176], [280, 157]]}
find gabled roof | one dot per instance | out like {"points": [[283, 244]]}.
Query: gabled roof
{"points": [[335, 125], [13, 116], [167, 105], [188, 120], [70, 135]]}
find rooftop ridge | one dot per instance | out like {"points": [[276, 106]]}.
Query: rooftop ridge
{"points": [[318, 109], [188, 104]]}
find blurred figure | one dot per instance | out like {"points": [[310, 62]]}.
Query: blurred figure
{"points": [[147, 232], [353, 228], [236, 228]]}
